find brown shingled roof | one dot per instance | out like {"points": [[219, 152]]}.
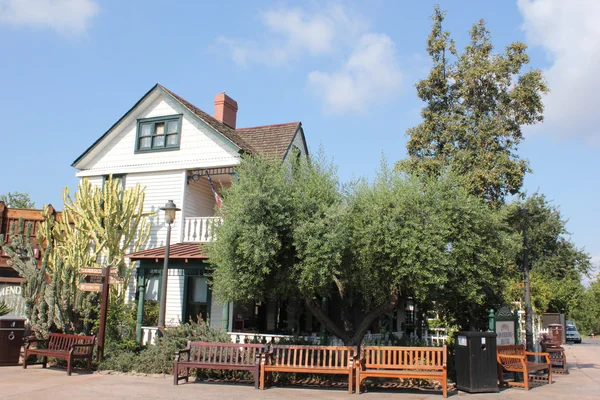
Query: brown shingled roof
{"points": [[219, 126], [176, 251], [270, 140]]}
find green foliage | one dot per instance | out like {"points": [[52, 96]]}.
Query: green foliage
{"points": [[17, 200], [586, 313], [292, 231], [4, 309], [476, 103], [158, 359], [556, 264]]}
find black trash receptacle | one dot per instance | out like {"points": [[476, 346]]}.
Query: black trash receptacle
{"points": [[475, 359], [11, 339]]}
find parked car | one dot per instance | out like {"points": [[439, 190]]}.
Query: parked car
{"points": [[573, 335]]}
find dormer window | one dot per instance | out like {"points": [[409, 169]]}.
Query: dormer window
{"points": [[160, 133]]}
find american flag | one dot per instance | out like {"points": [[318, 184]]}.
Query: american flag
{"points": [[212, 186]]}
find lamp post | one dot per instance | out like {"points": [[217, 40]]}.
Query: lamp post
{"points": [[170, 209], [528, 309]]}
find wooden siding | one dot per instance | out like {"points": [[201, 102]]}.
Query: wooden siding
{"points": [[200, 145], [159, 188]]}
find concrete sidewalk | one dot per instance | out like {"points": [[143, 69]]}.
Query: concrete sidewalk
{"points": [[36, 383]]}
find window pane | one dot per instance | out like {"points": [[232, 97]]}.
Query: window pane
{"points": [[159, 128], [145, 143], [171, 140], [172, 126], [159, 141], [199, 289], [145, 129]]}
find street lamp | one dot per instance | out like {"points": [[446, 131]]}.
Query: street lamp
{"points": [[170, 209], [528, 309]]}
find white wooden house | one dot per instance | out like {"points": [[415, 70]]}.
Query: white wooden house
{"points": [[167, 145]]}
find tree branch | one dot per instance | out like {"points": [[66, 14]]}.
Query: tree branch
{"points": [[362, 328], [318, 312]]}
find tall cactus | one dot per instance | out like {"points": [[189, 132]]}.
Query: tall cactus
{"points": [[109, 222]]}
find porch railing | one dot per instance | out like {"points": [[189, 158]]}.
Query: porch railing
{"points": [[200, 229], [149, 334]]}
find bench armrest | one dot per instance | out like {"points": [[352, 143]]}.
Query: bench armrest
{"points": [[180, 353], [533, 353]]}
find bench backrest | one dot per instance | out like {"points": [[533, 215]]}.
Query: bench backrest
{"points": [[225, 353], [63, 342], [510, 350], [304, 356], [415, 358]]}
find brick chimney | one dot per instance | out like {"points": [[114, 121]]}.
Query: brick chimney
{"points": [[226, 109]]}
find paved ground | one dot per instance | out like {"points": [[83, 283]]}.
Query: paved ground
{"points": [[35, 383]]}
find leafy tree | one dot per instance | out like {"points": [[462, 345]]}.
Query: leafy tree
{"points": [[476, 103], [292, 232], [556, 264], [587, 311], [17, 200]]}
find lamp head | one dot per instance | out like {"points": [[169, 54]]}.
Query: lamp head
{"points": [[170, 209]]}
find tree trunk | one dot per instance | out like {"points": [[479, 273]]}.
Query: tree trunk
{"points": [[318, 312]]}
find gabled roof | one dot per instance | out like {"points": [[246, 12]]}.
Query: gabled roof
{"points": [[270, 140]]}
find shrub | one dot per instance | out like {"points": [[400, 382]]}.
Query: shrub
{"points": [[158, 358]]}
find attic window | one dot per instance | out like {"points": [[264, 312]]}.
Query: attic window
{"points": [[160, 133]]}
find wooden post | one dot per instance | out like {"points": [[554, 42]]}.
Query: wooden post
{"points": [[141, 286], [103, 309]]}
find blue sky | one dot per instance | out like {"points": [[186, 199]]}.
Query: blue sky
{"points": [[71, 68]]}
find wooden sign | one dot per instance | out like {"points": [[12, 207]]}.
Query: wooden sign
{"points": [[90, 287], [91, 271], [112, 280]]}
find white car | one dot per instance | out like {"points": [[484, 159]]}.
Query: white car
{"points": [[573, 335]]}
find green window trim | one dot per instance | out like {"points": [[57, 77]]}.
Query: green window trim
{"points": [[158, 133]]}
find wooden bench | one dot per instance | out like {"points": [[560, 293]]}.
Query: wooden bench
{"points": [[558, 358], [514, 358], [221, 356], [59, 345], [338, 360], [403, 362]]}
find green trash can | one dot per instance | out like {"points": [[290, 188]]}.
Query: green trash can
{"points": [[12, 330], [475, 359]]}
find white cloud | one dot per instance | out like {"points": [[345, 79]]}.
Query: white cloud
{"points": [[68, 17], [371, 73], [369, 70], [570, 34], [292, 33]]}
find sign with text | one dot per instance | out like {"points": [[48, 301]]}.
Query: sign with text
{"points": [[90, 287], [506, 333], [91, 271]]}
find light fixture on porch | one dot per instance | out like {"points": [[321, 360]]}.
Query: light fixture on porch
{"points": [[170, 210]]}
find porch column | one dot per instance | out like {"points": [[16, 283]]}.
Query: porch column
{"points": [[141, 289], [225, 317]]}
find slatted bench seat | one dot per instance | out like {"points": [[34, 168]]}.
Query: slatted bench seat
{"points": [[337, 360], [558, 358], [514, 358], [403, 362], [66, 347], [221, 356]]}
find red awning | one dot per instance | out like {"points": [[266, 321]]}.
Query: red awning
{"points": [[178, 251]]}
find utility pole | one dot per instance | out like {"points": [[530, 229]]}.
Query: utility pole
{"points": [[528, 309]]}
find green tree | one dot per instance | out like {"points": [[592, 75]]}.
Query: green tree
{"points": [[476, 103], [292, 231], [556, 264], [587, 311], [17, 200]]}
